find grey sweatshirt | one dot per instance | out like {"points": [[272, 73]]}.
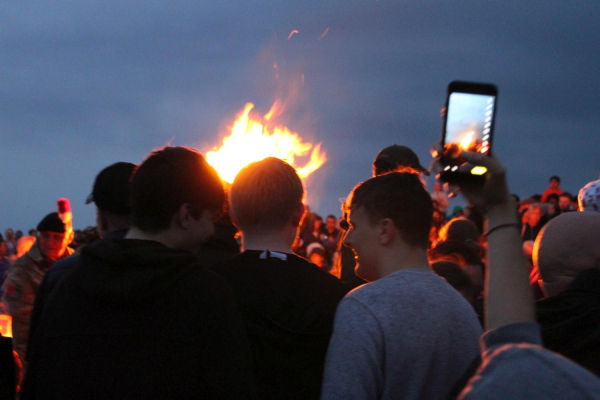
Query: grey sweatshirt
{"points": [[409, 335]]}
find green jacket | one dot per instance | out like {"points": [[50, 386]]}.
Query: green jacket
{"points": [[20, 287]]}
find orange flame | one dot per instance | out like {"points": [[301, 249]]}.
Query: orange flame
{"points": [[6, 325], [466, 141], [251, 140]]}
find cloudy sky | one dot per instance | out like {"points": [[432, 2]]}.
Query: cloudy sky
{"points": [[85, 84]]}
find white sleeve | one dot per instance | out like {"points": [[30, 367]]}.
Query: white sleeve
{"points": [[354, 363]]}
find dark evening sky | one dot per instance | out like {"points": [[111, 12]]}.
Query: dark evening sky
{"points": [[86, 84]]}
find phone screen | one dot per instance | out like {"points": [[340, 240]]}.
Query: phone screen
{"points": [[469, 123]]}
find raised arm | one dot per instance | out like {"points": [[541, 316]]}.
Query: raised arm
{"points": [[509, 297]]}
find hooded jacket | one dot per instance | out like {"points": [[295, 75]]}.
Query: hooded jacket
{"points": [[139, 320], [570, 320]]}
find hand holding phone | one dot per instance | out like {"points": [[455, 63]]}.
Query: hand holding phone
{"points": [[468, 126]]}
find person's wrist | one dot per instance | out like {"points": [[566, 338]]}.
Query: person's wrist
{"points": [[502, 212]]}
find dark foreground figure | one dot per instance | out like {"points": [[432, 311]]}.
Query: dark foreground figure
{"points": [[288, 304], [142, 318]]}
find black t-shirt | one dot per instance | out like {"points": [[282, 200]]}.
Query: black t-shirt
{"points": [[288, 305]]}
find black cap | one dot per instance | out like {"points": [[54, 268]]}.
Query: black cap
{"points": [[111, 188], [392, 157], [51, 223]]}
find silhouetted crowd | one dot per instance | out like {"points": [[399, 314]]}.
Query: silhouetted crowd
{"points": [[189, 288]]}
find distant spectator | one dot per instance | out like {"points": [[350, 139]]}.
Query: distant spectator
{"points": [[552, 211], [25, 276], [329, 237], [11, 243], [565, 202], [553, 199], [33, 232], [18, 235], [589, 197], [457, 278], [534, 224], [457, 212], [567, 254], [553, 188], [459, 229], [316, 255], [438, 195]]}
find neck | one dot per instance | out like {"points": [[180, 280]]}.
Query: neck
{"points": [[165, 237], [274, 241], [403, 257]]}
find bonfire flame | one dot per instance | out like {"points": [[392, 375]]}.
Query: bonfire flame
{"points": [[466, 141], [252, 140]]}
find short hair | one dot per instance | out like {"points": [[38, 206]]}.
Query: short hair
{"points": [[552, 196], [331, 216], [536, 206], [456, 277], [566, 194], [401, 197], [167, 179], [264, 195], [460, 229], [554, 178]]}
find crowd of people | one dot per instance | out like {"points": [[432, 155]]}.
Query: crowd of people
{"points": [[182, 290]]}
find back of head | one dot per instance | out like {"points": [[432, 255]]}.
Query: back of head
{"points": [[567, 245], [457, 278], [459, 229], [265, 194], [589, 197], [111, 188], [399, 196], [167, 179]]}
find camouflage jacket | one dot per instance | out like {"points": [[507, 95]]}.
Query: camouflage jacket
{"points": [[20, 287]]}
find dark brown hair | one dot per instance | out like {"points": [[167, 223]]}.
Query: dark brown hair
{"points": [[399, 196], [167, 179]]}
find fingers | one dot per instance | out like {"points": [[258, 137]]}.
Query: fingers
{"points": [[436, 149], [492, 164]]}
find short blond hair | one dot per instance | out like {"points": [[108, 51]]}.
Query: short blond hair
{"points": [[264, 195]]}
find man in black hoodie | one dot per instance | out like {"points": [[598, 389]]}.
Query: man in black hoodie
{"points": [[141, 318], [567, 253], [288, 304]]}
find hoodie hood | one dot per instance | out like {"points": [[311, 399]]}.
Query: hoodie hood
{"points": [[130, 271]]}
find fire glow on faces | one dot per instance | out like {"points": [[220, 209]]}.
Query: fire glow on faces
{"points": [[361, 237], [53, 245], [253, 139]]}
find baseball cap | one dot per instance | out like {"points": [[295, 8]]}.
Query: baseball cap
{"points": [[111, 188], [392, 157], [589, 197]]}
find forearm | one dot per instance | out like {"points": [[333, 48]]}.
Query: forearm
{"points": [[509, 297]]}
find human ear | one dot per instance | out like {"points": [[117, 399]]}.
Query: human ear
{"points": [[298, 214], [386, 230], [184, 216]]}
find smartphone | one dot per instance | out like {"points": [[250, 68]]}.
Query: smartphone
{"points": [[468, 125]]}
